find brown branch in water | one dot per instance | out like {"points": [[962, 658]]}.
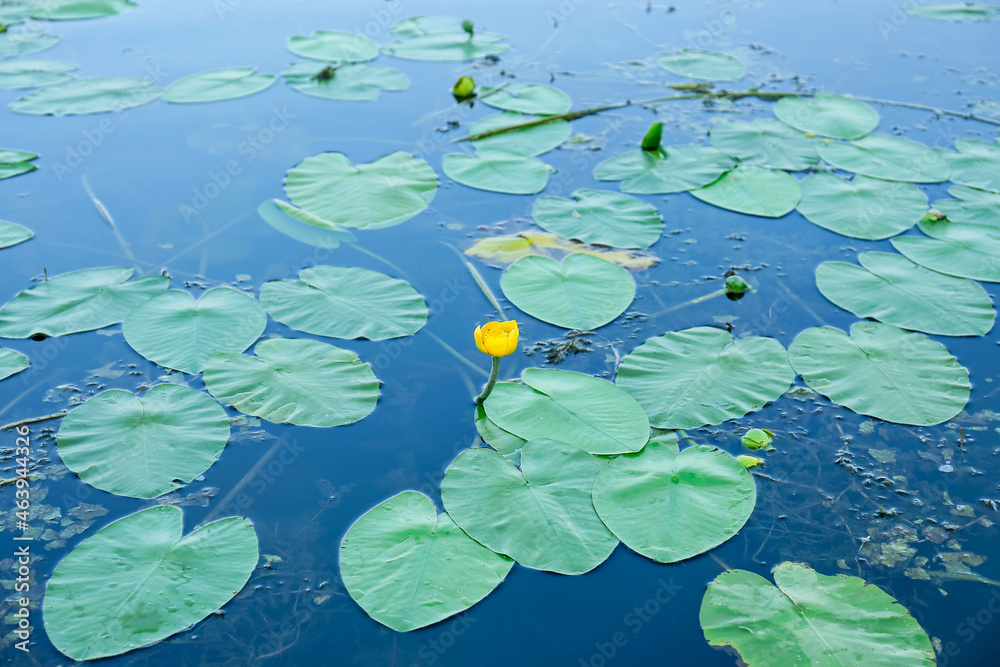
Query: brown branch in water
{"points": [[709, 95], [32, 420]]}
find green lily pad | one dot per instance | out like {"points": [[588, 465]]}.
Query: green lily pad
{"points": [[548, 520], [701, 64], [332, 46], [530, 98], [143, 447], [956, 249], [13, 44], [862, 208], [533, 140], [447, 46], [362, 81], [971, 206], [20, 74], [343, 302], [600, 217], [586, 412], [76, 10], [217, 85], [408, 567], [882, 371], [137, 581], [699, 376], [11, 362], [894, 290], [12, 234], [301, 382], [583, 292], [827, 115], [887, 158], [765, 142], [378, 194], [175, 331], [499, 439], [11, 156], [684, 168], [77, 301], [811, 619], [86, 96], [976, 164], [12, 169], [425, 25], [14, 14], [669, 506], [960, 12], [497, 170], [753, 190], [303, 226]]}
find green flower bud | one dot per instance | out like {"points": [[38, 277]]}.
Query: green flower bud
{"points": [[464, 89], [651, 142], [469, 27], [933, 215], [736, 285]]}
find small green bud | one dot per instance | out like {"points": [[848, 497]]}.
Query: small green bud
{"points": [[758, 438], [749, 461], [933, 215], [3, 28], [469, 27], [651, 142], [736, 285], [464, 89]]}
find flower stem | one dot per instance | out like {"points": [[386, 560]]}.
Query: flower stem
{"points": [[494, 373]]}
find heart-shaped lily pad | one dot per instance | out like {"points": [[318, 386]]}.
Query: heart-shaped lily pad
{"points": [[548, 520], [827, 115], [669, 506], [862, 208], [11, 362], [408, 567], [955, 248], [600, 217], [753, 190], [683, 168], [702, 64], [217, 85], [137, 581], [142, 447], [888, 158], [766, 142], [497, 170]]}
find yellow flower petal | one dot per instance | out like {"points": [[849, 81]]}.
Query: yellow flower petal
{"points": [[497, 339]]}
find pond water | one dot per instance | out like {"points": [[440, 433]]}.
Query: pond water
{"points": [[183, 183]]}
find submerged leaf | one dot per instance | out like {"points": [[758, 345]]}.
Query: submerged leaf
{"points": [[303, 226]]}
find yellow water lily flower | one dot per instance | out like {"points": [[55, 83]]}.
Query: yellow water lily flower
{"points": [[497, 339]]}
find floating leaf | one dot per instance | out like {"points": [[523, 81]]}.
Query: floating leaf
{"points": [[11, 169], [500, 251], [582, 292], [766, 142], [956, 249], [862, 208], [143, 447], [137, 581], [14, 14], [689, 378], [753, 190], [333, 46], [589, 413], [363, 81], [810, 618], [76, 10], [12, 234], [77, 301], [683, 168], [971, 205], [408, 567], [497, 170], [447, 46], [425, 25], [499, 439], [976, 164], [894, 290], [216, 85], [12, 156], [888, 158], [14, 44], [827, 115], [303, 226], [882, 371], [530, 98], [86, 96], [533, 140], [175, 331], [542, 515], [669, 506], [11, 362], [701, 64], [601, 217], [383, 193], [961, 12], [19, 74], [344, 302], [301, 382]]}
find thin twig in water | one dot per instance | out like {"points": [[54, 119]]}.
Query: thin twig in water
{"points": [[32, 420]]}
